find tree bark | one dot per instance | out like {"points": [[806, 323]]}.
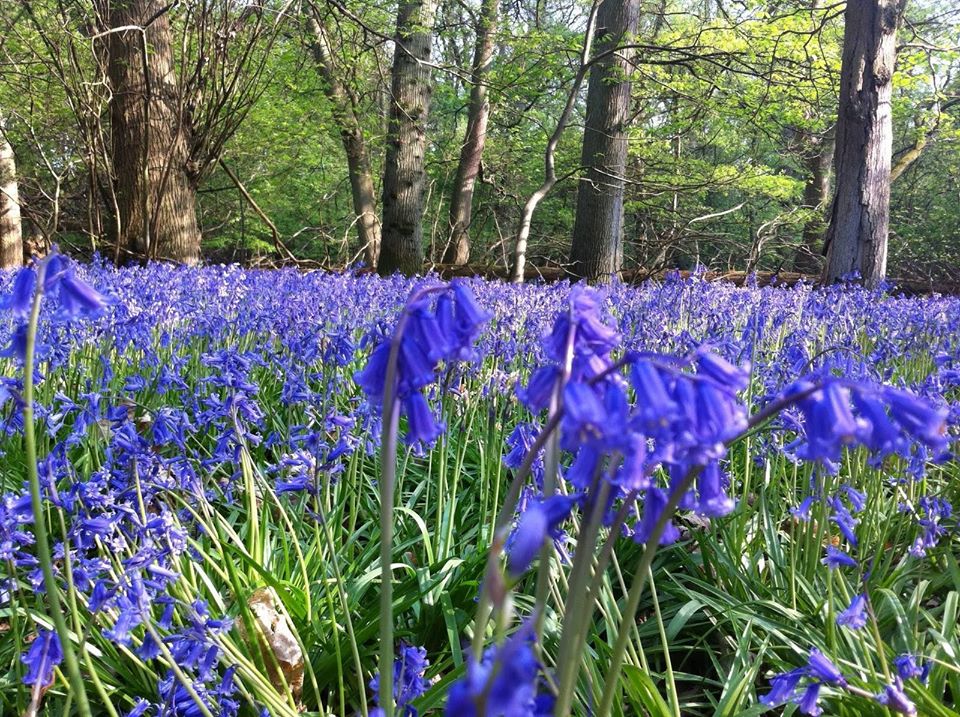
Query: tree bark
{"points": [[345, 108], [596, 252], [471, 153], [404, 177], [816, 196], [856, 239], [156, 191], [11, 233]]}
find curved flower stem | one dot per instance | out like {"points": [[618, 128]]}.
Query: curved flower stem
{"points": [[390, 413], [636, 590], [576, 614], [388, 478], [77, 687], [646, 559]]}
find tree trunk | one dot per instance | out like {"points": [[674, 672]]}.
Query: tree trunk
{"points": [[816, 196], [471, 154], [345, 109], [156, 194], [11, 234], [597, 248], [859, 223], [403, 176]]}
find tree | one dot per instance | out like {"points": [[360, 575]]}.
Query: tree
{"points": [[818, 160], [517, 270], [11, 236], [859, 223], [471, 153], [597, 248], [346, 114], [404, 177], [151, 139]]}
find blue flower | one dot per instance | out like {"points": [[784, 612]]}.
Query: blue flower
{"points": [[854, 616], [654, 503], [836, 558], [408, 680], [918, 418], [506, 678], [821, 668], [540, 519], [43, 656], [79, 299], [807, 704], [908, 668], [422, 427], [783, 687], [20, 299], [527, 539], [894, 698]]}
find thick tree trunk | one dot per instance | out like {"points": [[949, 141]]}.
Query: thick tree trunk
{"points": [[816, 196], [857, 236], [596, 252], [471, 154], [345, 109], [403, 176], [11, 233], [156, 193]]}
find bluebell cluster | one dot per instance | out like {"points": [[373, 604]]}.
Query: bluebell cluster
{"points": [[651, 385]]}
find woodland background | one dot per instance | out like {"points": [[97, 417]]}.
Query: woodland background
{"points": [[730, 134]]}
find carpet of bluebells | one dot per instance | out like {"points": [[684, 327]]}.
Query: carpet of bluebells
{"points": [[682, 498]]}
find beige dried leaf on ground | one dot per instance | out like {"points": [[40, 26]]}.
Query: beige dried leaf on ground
{"points": [[277, 638]]}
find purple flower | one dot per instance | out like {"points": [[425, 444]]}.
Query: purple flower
{"points": [[506, 676], [894, 698], [807, 703], [20, 299], [408, 679], [783, 687], [422, 427], [43, 656], [653, 506], [79, 299], [855, 616], [540, 519], [918, 418], [836, 558], [821, 668], [527, 539], [908, 668]]}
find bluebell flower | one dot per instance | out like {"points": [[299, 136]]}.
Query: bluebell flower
{"points": [[854, 616], [712, 499], [655, 500], [908, 668], [422, 426], [20, 300], [807, 704], [527, 539], [918, 418], [540, 519], [506, 677], [42, 658], [783, 687], [821, 668], [836, 558], [409, 681], [79, 299], [722, 371], [894, 698], [539, 390]]}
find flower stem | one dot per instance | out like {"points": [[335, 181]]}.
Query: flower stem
{"points": [[77, 687]]}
